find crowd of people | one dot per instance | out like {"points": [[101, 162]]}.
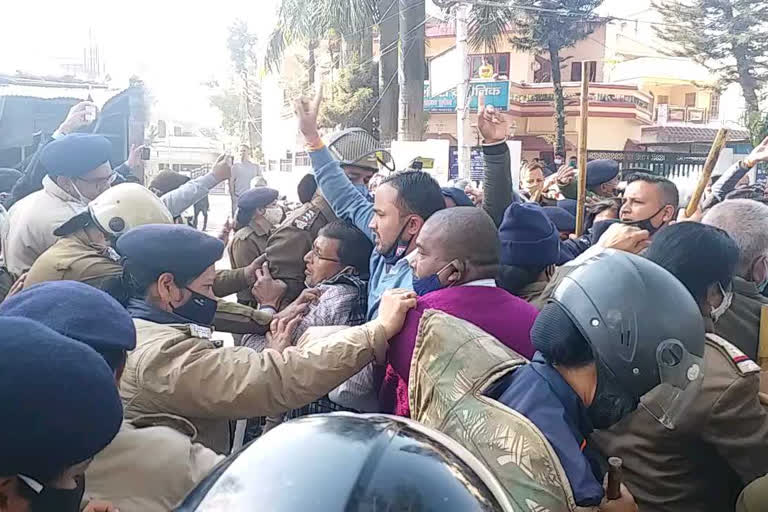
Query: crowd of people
{"points": [[397, 345]]}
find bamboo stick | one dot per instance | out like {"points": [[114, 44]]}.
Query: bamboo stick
{"points": [[706, 174], [582, 176]]}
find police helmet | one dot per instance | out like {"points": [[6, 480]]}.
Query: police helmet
{"points": [[643, 325], [345, 462], [355, 146], [119, 209]]}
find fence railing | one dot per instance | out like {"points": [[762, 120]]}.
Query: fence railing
{"points": [[669, 165]]}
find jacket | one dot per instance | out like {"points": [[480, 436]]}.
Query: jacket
{"points": [[721, 445], [177, 369], [497, 185], [453, 363], [349, 204], [292, 240], [740, 324], [33, 220], [249, 243], [150, 466]]}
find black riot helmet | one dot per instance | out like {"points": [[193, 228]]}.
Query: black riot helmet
{"points": [[355, 146], [348, 463], [643, 325]]}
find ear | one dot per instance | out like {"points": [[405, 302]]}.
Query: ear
{"points": [[7, 491], [714, 297], [669, 213], [415, 224], [759, 270], [167, 288]]}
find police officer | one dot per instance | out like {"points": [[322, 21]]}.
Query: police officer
{"points": [[173, 305], [152, 462], [599, 350], [59, 407], [380, 463], [295, 236], [252, 230], [602, 180]]}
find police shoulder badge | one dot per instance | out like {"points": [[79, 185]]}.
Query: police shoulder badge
{"points": [[306, 219], [199, 331], [743, 363]]}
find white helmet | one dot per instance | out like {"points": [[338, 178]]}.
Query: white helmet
{"points": [[119, 209]]}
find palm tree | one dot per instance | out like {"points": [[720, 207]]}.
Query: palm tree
{"points": [[547, 28]]}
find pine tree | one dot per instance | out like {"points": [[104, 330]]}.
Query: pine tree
{"points": [[729, 37]]}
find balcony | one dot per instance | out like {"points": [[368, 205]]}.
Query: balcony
{"points": [[673, 114]]}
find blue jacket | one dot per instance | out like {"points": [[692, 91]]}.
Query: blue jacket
{"points": [[540, 393], [350, 205]]}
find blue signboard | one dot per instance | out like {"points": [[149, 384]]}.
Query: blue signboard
{"points": [[496, 94]]}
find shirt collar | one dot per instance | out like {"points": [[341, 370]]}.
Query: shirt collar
{"points": [[55, 190], [488, 283]]}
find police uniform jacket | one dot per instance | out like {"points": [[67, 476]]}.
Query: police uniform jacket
{"points": [[720, 445], [249, 243], [150, 466], [177, 369], [740, 324], [293, 239]]}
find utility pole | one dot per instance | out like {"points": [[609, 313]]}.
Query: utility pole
{"points": [[462, 89]]}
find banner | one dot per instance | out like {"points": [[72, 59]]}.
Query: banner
{"points": [[496, 94]]}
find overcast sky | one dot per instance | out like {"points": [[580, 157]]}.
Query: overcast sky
{"points": [[172, 45]]}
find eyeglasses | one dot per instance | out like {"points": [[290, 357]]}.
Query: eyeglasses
{"points": [[316, 255]]}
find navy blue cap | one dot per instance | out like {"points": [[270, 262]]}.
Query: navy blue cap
{"points": [[257, 198], [58, 401], [458, 196], [562, 218], [75, 155], [77, 311], [569, 205], [601, 171], [528, 237], [180, 250]]}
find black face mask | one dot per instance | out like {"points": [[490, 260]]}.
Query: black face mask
{"points": [[398, 249], [611, 402], [50, 499], [199, 309], [646, 223]]}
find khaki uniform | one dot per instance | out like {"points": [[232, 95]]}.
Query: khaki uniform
{"points": [[177, 369], [76, 258], [534, 294], [293, 239], [150, 466], [740, 324], [720, 445], [248, 244], [755, 497]]}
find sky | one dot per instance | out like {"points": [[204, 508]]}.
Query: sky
{"points": [[173, 46]]}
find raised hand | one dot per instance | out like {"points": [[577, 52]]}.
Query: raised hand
{"points": [[78, 116], [306, 112], [493, 126], [759, 154]]}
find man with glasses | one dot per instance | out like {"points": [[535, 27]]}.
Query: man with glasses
{"points": [[78, 170]]}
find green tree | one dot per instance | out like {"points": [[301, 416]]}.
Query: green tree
{"points": [[726, 36], [242, 51], [543, 27], [228, 103], [351, 99]]}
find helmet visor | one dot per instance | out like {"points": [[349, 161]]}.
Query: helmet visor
{"points": [[681, 374], [358, 147]]}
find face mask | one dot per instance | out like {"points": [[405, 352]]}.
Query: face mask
{"points": [[274, 215], [717, 312], [558, 161], [645, 224], [398, 249], [611, 402], [199, 309], [432, 283], [80, 197], [49, 499]]}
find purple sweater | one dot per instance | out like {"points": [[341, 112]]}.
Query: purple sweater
{"points": [[499, 313]]}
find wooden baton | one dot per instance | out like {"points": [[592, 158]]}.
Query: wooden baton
{"points": [[581, 199], [615, 478], [706, 174]]}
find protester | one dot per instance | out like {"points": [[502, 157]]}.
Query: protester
{"points": [[252, 230], [650, 202], [586, 374], [152, 463], [607, 209], [404, 201], [243, 173], [337, 272], [455, 197], [746, 222], [201, 208], [393, 463], [721, 443], [530, 250], [454, 268], [294, 238], [59, 407], [737, 176], [173, 305], [563, 220]]}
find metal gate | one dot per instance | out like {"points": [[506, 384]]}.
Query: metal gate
{"points": [[669, 165]]}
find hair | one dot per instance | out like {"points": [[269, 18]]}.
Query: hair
{"points": [[669, 191], [467, 233], [355, 247], [243, 217], [746, 222], [697, 254], [613, 203], [306, 188], [756, 193], [417, 193], [513, 278]]}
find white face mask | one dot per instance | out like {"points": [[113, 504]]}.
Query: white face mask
{"points": [[274, 215], [80, 197], [720, 310]]}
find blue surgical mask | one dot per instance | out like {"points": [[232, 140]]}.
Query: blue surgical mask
{"points": [[432, 283], [199, 309]]}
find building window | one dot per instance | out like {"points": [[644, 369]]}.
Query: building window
{"points": [[662, 99], [272, 166], [161, 130], [714, 105], [177, 131], [489, 66], [690, 99], [576, 71], [161, 166], [286, 165], [302, 159]]}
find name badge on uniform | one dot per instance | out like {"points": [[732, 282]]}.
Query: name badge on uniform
{"points": [[198, 331], [112, 254]]}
